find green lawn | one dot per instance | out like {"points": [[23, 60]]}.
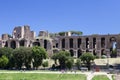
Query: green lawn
{"points": [[38, 76], [100, 77]]}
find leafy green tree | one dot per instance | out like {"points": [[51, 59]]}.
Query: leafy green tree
{"points": [[9, 36], [87, 58], [3, 61], [8, 53], [113, 53], [62, 57], [38, 54], [76, 33], [55, 57], [28, 58], [22, 56], [45, 64], [62, 33], [69, 63], [78, 63]]}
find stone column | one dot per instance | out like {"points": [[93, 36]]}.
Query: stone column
{"points": [[9, 43], [66, 43], [25, 43], [17, 44], [42, 42], [90, 43], [75, 53], [98, 43], [83, 45], [31, 44], [107, 43], [118, 52], [75, 43], [98, 53], [59, 44], [108, 52]]}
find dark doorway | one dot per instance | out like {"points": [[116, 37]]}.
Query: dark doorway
{"points": [[79, 42], [71, 43], [103, 42], [63, 43], [13, 44], [36, 44], [94, 42], [6, 44], [72, 53], [45, 44], [87, 43], [22, 43], [79, 53], [94, 53]]}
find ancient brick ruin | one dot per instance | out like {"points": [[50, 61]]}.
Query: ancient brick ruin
{"points": [[98, 45]]}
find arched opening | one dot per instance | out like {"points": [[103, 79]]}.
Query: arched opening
{"points": [[103, 42], [87, 43], [13, 44], [103, 54], [6, 44], [22, 43], [79, 42], [79, 53], [94, 42], [113, 47], [72, 53], [63, 43], [36, 43], [71, 43], [45, 44], [56, 45], [94, 53]]}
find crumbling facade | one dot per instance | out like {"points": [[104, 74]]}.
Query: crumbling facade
{"points": [[98, 45]]}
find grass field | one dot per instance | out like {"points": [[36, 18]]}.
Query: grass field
{"points": [[100, 77], [37, 76]]}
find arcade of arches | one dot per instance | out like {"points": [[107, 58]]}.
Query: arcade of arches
{"points": [[98, 45]]}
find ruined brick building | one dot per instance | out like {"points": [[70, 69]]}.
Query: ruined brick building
{"points": [[98, 45]]}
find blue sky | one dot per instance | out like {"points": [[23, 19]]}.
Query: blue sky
{"points": [[88, 16]]}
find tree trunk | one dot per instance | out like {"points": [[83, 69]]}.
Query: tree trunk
{"points": [[88, 65]]}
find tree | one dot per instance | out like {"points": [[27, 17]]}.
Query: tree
{"points": [[28, 58], [55, 57], [8, 53], [9, 36], [62, 57], [78, 33], [22, 56], [3, 61], [62, 33], [87, 58], [78, 63], [45, 64], [113, 53], [38, 54], [69, 63]]}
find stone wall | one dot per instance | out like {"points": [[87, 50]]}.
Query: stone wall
{"points": [[98, 45]]}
